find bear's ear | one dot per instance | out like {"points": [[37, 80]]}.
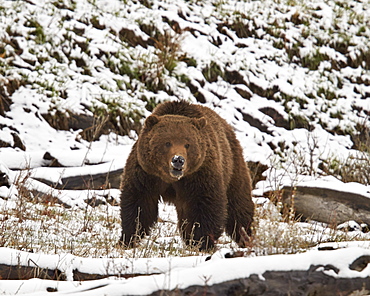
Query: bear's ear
{"points": [[200, 122], [150, 122]]}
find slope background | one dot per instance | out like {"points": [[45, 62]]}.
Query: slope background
{"points": [[292, 77], [78, 78]]}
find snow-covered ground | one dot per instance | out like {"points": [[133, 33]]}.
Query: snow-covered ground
{"points": [[303, 86], [176, 273]]}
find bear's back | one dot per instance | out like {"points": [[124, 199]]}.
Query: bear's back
{"points": [[182, 108]]}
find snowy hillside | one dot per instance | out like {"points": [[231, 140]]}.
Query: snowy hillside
{"points": [[78, 78], [272, 69]]}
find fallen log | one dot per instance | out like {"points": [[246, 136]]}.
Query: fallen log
{"points": [[19, 272], [338, 272], [314, 281], [107, 180], [327, 205]]}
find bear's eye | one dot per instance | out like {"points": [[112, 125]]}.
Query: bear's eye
{"points": [[187, 146], [168, 144]]}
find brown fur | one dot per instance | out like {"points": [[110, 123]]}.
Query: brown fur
{"points": [[211, 193]]}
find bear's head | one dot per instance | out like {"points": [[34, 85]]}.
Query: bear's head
{"points": [[172, 146]]}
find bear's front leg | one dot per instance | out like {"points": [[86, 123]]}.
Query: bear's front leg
{"points": [[139, 209], [201, 214]]}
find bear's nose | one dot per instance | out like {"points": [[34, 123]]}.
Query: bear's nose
{"points": [[178, 162]]}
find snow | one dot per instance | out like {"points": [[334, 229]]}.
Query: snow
{"points": [[176, 273], [326, 182], [259, 56], [68, 263]]}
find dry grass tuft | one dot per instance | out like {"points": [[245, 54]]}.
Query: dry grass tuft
{"points": [[37, 223]]}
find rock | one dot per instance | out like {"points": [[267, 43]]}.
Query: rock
{"points": [[278, 118], [18, 143], [257, 169], [93, 126], [4, 181], [4, 178], [349, 226], [255, 122], [314, 281], [51, 161], [327, 205]]}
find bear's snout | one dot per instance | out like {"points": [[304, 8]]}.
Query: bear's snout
{"points": [[178, 162], [177, 166]]}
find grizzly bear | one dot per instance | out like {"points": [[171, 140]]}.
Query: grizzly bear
{"points": [[190, 156]]}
